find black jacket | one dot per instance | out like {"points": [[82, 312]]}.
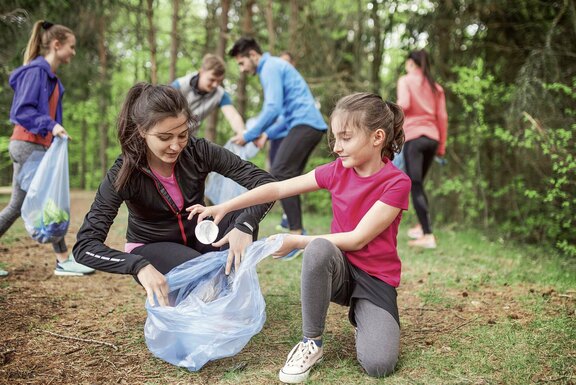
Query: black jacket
{"points": [[152, 215]]}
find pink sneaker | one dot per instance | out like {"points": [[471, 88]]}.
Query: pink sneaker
{"points": [[427, 241], [415, 232]]}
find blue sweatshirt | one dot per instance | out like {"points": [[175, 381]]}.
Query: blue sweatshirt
{"points": [[33, 85], [286, 93]]}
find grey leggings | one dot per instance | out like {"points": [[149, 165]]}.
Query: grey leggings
{"points": [[325, 278], [19, 152]]}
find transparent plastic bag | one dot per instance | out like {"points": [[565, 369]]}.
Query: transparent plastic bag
{"points": [[46, 208], [211, 315], [221, 189], [29, 168]]}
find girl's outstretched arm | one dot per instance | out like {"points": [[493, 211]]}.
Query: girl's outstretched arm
{"points": [[374, 222], [269, 192]]}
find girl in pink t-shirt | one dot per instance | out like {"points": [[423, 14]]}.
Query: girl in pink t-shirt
{"points": [[357, 264]]}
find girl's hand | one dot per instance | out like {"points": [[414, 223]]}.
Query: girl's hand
{"points": [[155, 284], [60, 131], [238, 139], [261, 141], [291, 242], [216, 212], [239, 241]]}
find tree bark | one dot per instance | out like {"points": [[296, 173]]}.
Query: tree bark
{"points": [[378, 49], [247, 30], [174, 42], [293, 26], [103, 94], [270, 27], [212, 123], [152, 41]]}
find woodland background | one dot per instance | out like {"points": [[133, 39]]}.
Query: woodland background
{"points": [[508, 68]]}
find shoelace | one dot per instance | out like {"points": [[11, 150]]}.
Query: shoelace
{"points": [[302, 352]]}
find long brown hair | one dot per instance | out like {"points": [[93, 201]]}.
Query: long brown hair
{"points": [[43, 33], [145, 106], [368, 111], [422, 60]]}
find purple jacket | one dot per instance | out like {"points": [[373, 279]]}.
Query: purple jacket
{"points": [[33, 84]]}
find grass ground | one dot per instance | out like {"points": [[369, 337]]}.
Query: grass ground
{"points": [[473, 311]]}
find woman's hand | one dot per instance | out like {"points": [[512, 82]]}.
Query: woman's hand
{"points": [[290, 242], [155, 284], [216, 212], [239, 241]]}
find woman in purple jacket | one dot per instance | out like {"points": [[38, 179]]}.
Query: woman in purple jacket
{"points": [[37, 116]]}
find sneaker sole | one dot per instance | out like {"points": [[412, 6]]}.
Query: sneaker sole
{"points": [[70, 273], [296, 255], [296, 378]]}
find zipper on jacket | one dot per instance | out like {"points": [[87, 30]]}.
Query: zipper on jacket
{"points": [[164, 194]]}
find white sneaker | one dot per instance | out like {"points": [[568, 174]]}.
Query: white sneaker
{"points": [[300, 360]]}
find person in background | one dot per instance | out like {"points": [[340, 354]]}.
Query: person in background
{"points": [[425, 127], [162, 170], [285, 93], [36, 113], [357, 264], [275, 134], [204, 92]]}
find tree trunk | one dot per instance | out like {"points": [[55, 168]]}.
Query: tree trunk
{"points": [[139, 38], [212, 124], [378, 48], [103, 95], [247, 30], [152, 42], [358, 43], [293, 26], [174, 39], [270, 27]]}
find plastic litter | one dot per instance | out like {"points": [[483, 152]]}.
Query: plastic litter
{"points": [[211, 315]]}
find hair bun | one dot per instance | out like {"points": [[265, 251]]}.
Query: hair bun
{"points": [[46, 25]]}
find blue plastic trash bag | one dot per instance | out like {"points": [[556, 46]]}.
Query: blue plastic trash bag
{"points": [[211, 315], [29, 168], [221, 189], [46, 208]]}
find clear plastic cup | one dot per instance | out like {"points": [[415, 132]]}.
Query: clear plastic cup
{"points": [[206, 232]]}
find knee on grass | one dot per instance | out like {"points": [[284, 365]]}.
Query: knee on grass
{"points": [[379, 367]]}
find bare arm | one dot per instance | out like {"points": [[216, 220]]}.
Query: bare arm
{"points": [[267, 193], [374, 222], [234, 118]]}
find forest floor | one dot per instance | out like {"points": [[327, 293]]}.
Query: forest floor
{"points": [[467, 325]]}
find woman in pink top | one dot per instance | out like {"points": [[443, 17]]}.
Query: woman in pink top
{"points": [[425, 127], [357, 264]]}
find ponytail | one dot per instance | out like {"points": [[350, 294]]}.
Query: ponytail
{"points": [[132, 143], [396, 140], [43, 33]]}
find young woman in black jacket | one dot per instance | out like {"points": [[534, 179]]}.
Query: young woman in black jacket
{"points": [[163, 170]]}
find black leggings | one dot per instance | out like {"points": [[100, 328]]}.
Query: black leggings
{"points": [[418, 156], [289, 161]]}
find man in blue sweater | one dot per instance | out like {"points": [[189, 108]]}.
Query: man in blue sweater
{"points": [[285, 93]]}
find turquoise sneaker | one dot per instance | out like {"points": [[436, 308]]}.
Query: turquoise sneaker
{"points": [[71, 268]]}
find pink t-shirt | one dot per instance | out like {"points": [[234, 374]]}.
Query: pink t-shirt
{"points": [[352, 197], [171, 186], [424, 111]]}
